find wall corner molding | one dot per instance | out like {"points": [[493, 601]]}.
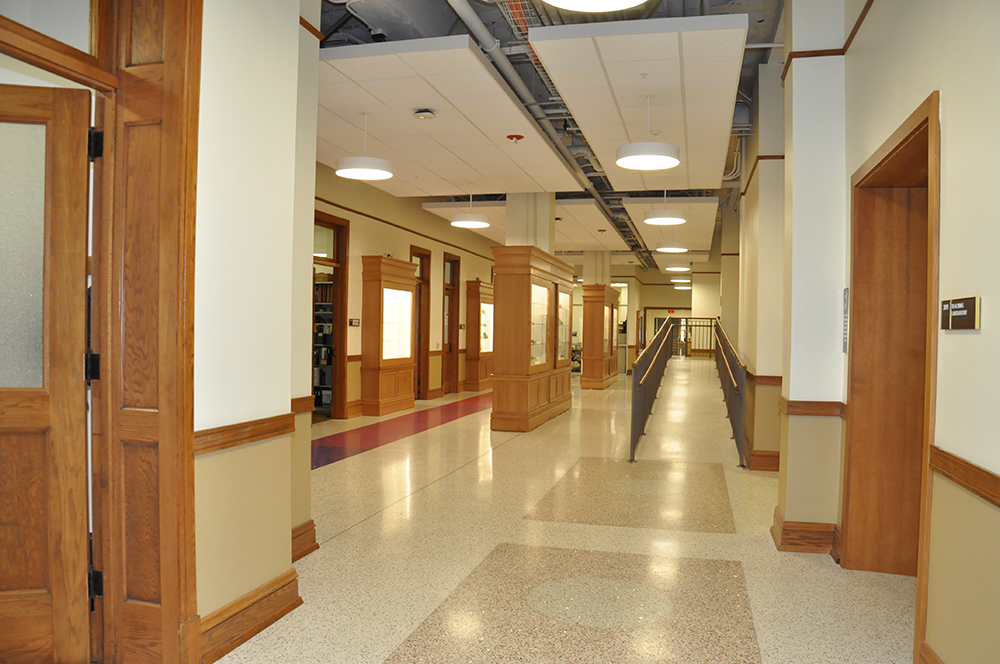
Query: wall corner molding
{"points": [[966, 474], [306, 404], [225, 629], [313, 30], [928, 656], [813, 408], [800, 536], [830, 51], [304, 540]]}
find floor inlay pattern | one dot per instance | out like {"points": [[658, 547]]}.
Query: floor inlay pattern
{"points": [[543, 604], [669, 495]]}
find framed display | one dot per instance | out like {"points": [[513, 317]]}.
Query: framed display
{"points": [[486, 327], [539, 324], [397, 323]]}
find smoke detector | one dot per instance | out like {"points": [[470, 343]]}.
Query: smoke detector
{"points": [[424, 114]]}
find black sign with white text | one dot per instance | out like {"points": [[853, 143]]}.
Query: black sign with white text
{"points": [[964, 313]]}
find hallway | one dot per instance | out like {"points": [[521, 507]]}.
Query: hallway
{"points": [[462, 544]]}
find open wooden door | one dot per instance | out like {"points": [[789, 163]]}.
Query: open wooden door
{"points": [[44, 606]]}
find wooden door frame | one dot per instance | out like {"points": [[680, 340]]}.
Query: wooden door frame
{"points": [[449, 357], [927, 115], [422, 336], [342, 229], [164, 88]]}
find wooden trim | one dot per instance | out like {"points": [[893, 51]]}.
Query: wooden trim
{"points": [[354, 358], [305, 404], [966, 474], [232, 435], [813, 408], [224, 630], [759, 158], [311, 28], [403, 228], [857, 25], [764, 380], [768, 460], [927, 654], [304, 540], [354, 408], [800, 536], [830, 51], [52, 55], [435, 394], [436, 353]]}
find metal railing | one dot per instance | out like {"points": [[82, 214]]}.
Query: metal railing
{"points": [[733, 375], [697, 336], [647, 372]]}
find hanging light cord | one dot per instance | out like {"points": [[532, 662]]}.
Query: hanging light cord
{"points": [[647, 118], [366, 134]]}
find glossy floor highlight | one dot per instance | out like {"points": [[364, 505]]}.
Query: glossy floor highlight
{"points": [[417, 536]]}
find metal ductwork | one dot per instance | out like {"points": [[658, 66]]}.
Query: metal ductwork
{"points": [[412, 19], [491, 46]]}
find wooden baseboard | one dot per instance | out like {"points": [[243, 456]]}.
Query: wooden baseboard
{"points": [[461, 386], [353, 408], [387, 406], [763, 460], [518, 422], [234, 624], [801, 537], [435, 394], [835, 551], [303, 540], [928, 656]]}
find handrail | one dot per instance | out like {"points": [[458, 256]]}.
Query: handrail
{"points": [[729, 343], [647, 348], [732, 378], [663, 343]]}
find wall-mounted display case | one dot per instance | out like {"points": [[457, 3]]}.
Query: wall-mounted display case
{"points": [[533, 325], [387, 348], [479, 316], [600, 334]]}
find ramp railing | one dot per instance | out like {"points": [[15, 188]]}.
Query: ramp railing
{"points": [[733, 374], [647, 372]]}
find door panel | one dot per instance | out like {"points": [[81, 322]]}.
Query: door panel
{"points": [[44, 608]]}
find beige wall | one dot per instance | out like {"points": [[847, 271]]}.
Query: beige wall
{"points": [[301, 469], [243, 526], [766, 418], [809, 477], [705, 296]]}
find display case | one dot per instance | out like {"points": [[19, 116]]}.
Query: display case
{"points": [[387, 349], [479, 335], [600, 328], [531, 358]]}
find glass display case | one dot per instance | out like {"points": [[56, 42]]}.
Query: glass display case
{"points": [[485, 327], [607, 326], [397, 322], [565, 326], [539, 324], [614, 330]]}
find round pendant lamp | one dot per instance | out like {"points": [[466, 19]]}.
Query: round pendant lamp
{"points": [[680, 280], [594, 5], [672, 248], [649, 155], [364, 167], [664, 218], [677, 268], [682, 288], [470, 219]]}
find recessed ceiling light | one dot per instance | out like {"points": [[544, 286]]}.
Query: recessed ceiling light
{"points": [[424, 114], [594, 5], [672, 248]]}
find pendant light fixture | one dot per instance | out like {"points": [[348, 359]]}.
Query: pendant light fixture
{"points": [[682, 288], [594, 5], [470, 219], [364, 167], [672, 248], [664, 216], [677, 268], [648, 156]]}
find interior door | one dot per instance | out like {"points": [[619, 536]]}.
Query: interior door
{"points": [[44, 607]]}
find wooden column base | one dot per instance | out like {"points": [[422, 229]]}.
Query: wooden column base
{"points": [[235, 623], [801, 537], [587, 383], [303, 540], [763, 460]]}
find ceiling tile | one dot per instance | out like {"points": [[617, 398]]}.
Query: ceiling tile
{"points": [[708, 93], [634, 48], [719, 113], [579, 51], [400, 89], [464, 85], [712, 70], [713, 43], [452, 61], [640, 74], [580, 76], [373, 68]]}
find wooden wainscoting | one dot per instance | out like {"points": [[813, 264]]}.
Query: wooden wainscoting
{"points": [[354, 408], [801, 537], [235, 623], [306, 404], [304, 540]]}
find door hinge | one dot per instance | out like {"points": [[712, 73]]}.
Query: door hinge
{"points": [[92, 365], [95, 583], [95, 144]]}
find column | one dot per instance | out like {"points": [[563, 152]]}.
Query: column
{"points": [[531, 221]]}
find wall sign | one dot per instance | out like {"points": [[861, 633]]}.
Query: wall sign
{"points": [[960, 314], [847, 309], [354, 322]]}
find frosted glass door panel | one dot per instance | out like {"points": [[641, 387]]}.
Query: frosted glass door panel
{"points": [[22, 268], [486, 328], [397, 321], [65, 20]]}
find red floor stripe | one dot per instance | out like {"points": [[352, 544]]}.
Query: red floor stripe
{"points": [[339, 446]]}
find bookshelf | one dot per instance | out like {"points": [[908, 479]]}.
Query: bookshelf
{"points": [[323, 346]]}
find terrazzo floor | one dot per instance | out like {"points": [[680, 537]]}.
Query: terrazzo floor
{"points": [[462, 544]]}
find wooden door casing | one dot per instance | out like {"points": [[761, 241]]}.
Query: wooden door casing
{"points": [[44, 607]]}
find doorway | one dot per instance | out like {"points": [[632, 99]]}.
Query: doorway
{"points": [[892, 347], [449, 336], [331, 239], [422, 321]]}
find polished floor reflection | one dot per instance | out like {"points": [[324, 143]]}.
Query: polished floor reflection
{"points": [[434, 548]]}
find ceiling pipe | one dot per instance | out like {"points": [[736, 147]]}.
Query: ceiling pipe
{"points": [[751, 47], [491, 45]]}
